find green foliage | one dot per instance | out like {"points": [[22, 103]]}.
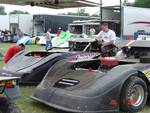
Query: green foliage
{"points": [[142, 3], [95, 15], [2, 10], [81, 12], [18, 12]]}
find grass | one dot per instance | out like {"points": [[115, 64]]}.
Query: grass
{"points": [[26, 104]]}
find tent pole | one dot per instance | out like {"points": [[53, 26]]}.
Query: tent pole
{"points": [[101, 12], [121, 29]]}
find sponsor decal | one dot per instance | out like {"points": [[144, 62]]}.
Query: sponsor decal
{"points": [[146, 23], [113, 102], [141, 22], [147, 73], [82, 56]]}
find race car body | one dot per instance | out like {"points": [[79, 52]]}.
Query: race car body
{"points": [[32, 66], [9, 91], [101, 85], [9, 86]]}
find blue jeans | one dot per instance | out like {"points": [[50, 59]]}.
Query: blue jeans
{"points": [[48, 45]]}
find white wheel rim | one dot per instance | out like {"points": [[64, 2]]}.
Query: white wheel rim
{"points": [[136, 95]]}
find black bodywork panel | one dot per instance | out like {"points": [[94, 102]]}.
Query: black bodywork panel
{"points": [[90, 87], [84, 90]]}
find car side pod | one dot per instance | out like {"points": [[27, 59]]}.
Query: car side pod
{"points": [[145, 59]]}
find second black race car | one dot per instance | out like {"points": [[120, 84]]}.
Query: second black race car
{"points": [[107, 84]]}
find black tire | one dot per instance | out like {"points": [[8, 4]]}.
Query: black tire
{"points": [[132, 89], [7, 106]]}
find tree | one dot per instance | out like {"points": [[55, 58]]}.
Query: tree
{"points": [[18, 12], [142, 3], [2, 10], [81, 12], [127, 3], [95, 15]]}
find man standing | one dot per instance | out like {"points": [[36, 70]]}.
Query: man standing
{"points": [[12, 50], [107, 37], [59, 31], [48, 45]]}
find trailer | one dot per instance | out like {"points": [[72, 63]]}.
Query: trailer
{"points": [[91, 27], [22, 22], [84, 26], [5, 20], [129, 22], [42, 22]]}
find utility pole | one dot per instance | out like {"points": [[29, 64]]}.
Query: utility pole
{"points": [[121, 27], [101, 12], [78, 11]]}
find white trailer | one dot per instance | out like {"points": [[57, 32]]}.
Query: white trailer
{"points": [[84, 27], [22, 21], [134, 20], [131, 19], [4, 19]]}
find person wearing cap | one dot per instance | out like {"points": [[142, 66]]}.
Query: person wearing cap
{"points": [[12, 50]]}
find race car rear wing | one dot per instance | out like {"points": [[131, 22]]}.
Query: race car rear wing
{"points": [[137, 48], [133, 43]]}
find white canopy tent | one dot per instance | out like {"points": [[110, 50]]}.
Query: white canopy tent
{"points": [[55, 4]]}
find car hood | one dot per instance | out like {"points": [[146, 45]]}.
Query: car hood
{"points": [[70, 79], [29, 59]]}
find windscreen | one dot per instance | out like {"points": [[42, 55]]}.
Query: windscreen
{"points": [[76, 29]]}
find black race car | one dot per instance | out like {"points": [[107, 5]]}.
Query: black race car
{"points": [[9, 91], [107, 84], [32, 66]]}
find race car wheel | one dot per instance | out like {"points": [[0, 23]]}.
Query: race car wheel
{"points": [[7, 106], [134, 95]]}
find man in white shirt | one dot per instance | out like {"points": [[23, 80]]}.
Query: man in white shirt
{"points": [[107, 36], [48, 40]]}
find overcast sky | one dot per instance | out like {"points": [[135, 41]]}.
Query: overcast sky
{"points": [[40, 10]]}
